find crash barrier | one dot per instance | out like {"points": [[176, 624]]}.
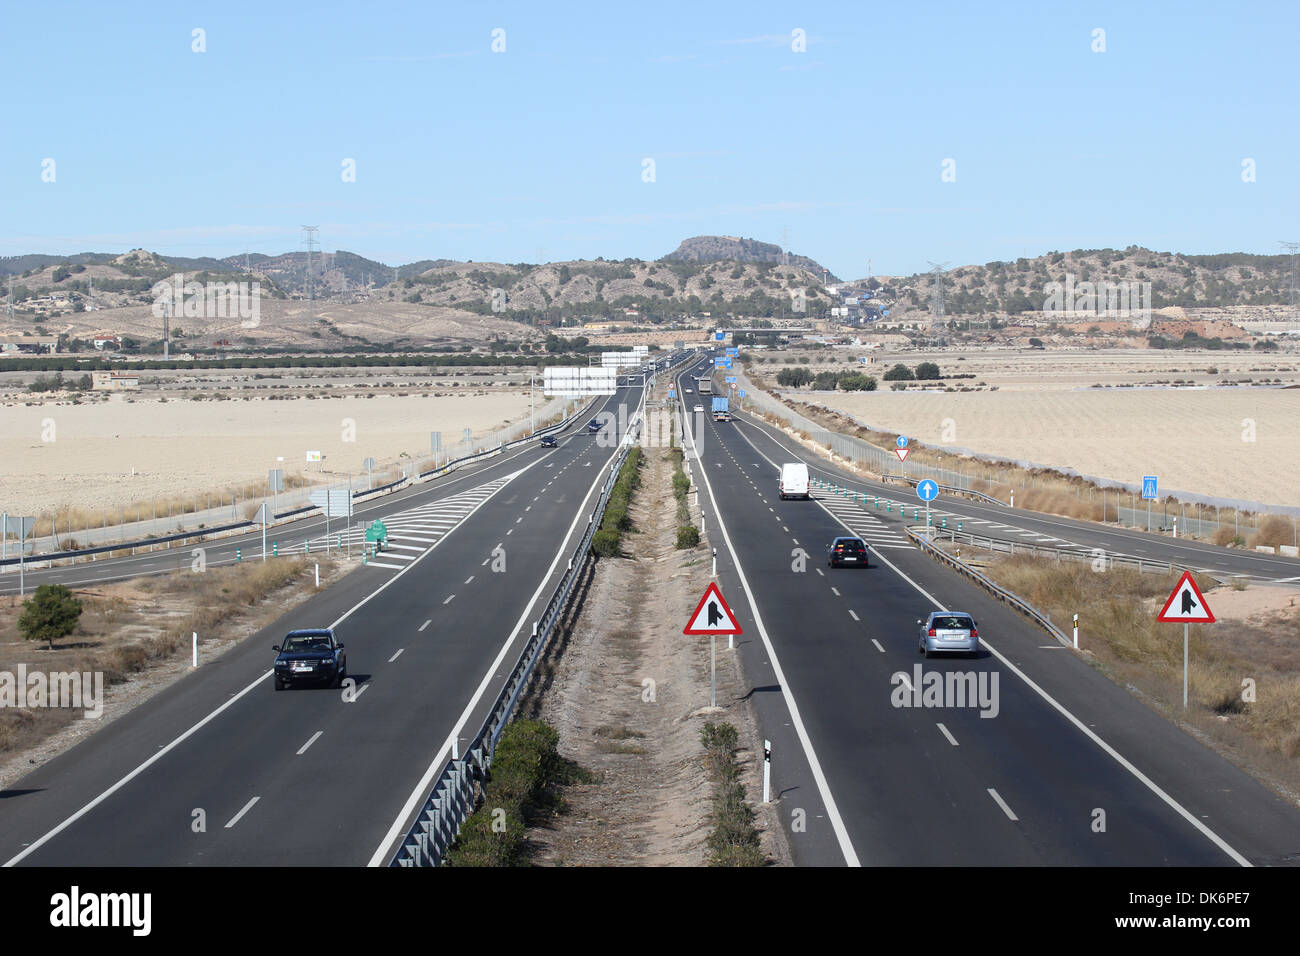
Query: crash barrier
{"points": [[452, 799]]}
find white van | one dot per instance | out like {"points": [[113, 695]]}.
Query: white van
{"points": [[794, 480]]}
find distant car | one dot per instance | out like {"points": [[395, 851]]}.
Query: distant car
{"points": [[847, 551], [550, 441], [593, 425], [310, 657], [949, 631], [699, 408], [689, 390]]}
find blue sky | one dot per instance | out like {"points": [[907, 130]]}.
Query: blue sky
{"points": [[537, 152]]}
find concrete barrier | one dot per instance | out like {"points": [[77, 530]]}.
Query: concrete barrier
{"points": [[1289, 550]]}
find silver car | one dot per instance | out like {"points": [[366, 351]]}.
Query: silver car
{"points": [[949, 631]]}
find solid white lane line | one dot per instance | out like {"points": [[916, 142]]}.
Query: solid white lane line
{"points": [[1003, 804], [386, 849], [397, 655], [426, 624], [248, 806], [951, 739], [819, 778], [303, 749], [1079, 724]]}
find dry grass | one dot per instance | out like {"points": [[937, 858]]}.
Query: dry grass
{"points": [[130, 627], [1118, 627]]}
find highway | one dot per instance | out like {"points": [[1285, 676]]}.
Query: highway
{"points": [[218, 769], [1067, 769]]}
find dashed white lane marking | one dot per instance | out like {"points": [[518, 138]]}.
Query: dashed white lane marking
{"points": [[952, 740], [1003, 804], [836, 591], [878, 647], [449, 599], [397, 655], [248, 806], [853, 615], [426, 624], [301, 750]]}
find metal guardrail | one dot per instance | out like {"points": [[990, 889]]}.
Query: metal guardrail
{"points": [[1024, 607], [39, 559], [488, 452], [451, 801], [1007, 546], [950, 489]]}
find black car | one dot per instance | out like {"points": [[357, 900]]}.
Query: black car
{"points": [[847, 552], [310, 657], [550, 441], [593, 425]]}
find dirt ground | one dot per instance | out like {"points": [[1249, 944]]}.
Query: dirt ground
{"points": [[649, 800], [117, 623]]}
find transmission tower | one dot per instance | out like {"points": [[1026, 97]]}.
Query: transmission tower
{"points": [[309, 237], [937, 307], [1294, 282]]}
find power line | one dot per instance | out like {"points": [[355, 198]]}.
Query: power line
{"points": [[309, 237], [1293, 285], [937, 306]]}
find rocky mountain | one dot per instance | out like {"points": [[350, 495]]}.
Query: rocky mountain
{"points": [[736, 249]]}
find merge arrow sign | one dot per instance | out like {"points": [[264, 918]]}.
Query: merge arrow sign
{"points": [[712, 615], [1186, 605]]}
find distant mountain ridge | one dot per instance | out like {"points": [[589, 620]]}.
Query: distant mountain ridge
{"points": [[738, 249]]}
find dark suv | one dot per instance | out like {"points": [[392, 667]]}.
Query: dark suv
{"points": [[549, 441], [847, 551], [594, 425], [310, 657]]}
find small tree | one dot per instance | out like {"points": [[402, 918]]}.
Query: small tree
{"points": [[927, 371], [899, 373], [51, 613]]}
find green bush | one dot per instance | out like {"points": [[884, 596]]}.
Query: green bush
{"points": [[688, 536], [899, 373], [681, 484], [604, 544], [734, 840], [525, 770]]}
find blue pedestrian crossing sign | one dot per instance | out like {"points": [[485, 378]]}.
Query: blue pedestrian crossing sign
{"points": [[927, 490], [1149, 486]]}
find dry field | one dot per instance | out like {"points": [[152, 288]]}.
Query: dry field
{"points": [[1192, 440], [120, 452], [1041, 408]]}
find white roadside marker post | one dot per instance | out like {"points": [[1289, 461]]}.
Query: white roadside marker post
{"points": [[767, 771], [1076, 632], [318, 576], [194, 636]]}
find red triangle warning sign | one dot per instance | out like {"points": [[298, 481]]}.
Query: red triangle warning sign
{"points": [[902, 453], [712, 615], [1186, 605]]}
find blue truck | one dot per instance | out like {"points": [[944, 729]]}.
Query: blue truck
{"points": [[721, 410]]}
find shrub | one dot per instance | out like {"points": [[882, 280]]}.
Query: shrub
{"points": [[688, 536], [899, 373]]}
